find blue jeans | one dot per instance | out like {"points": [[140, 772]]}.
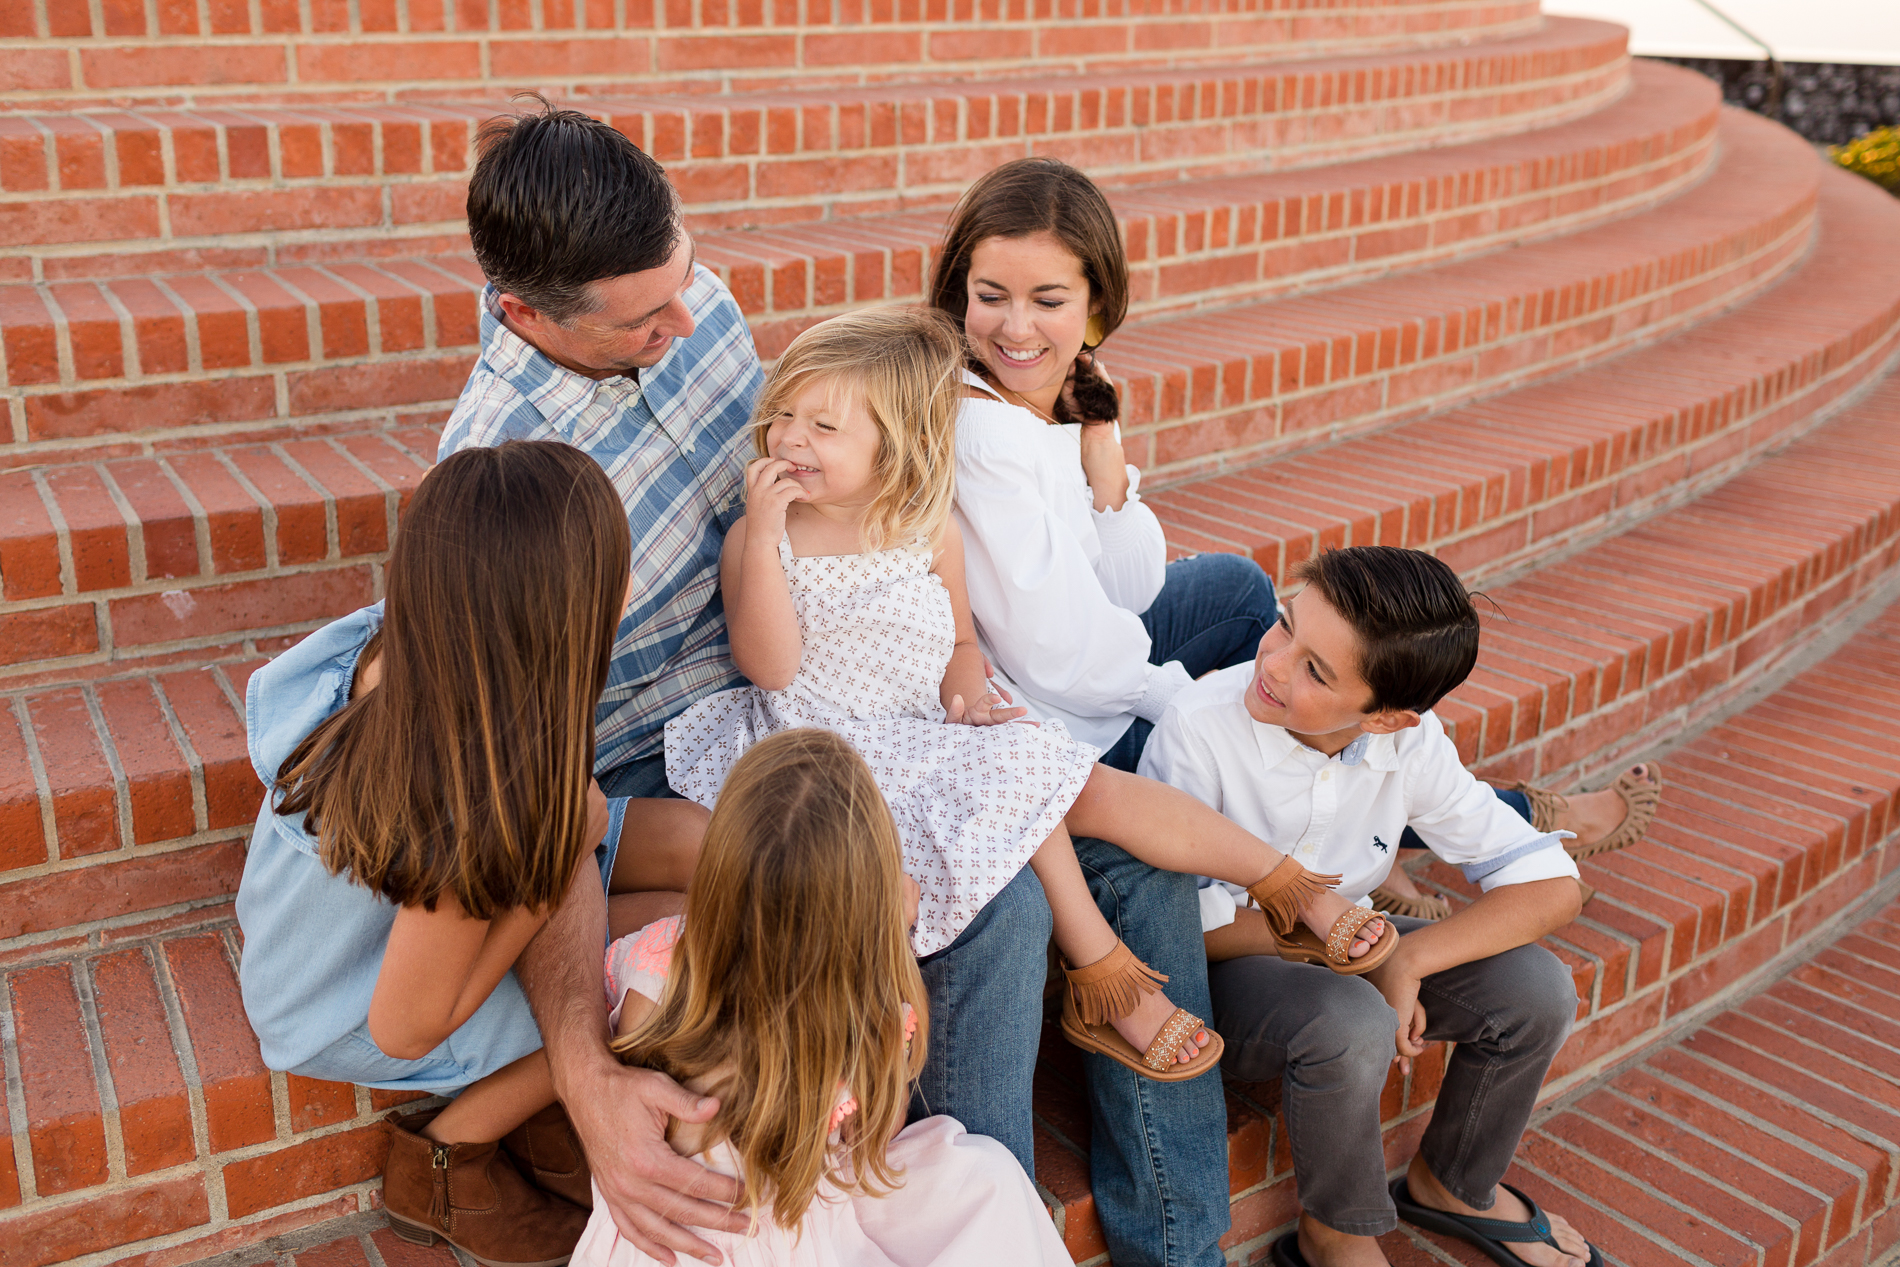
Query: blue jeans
{"points": [[1211, 613]]}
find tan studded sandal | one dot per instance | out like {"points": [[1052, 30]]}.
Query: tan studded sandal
{"points": [[1283, 891], [1112, 987]]}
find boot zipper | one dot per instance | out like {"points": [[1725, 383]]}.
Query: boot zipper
{"points": [[439, 1197]]}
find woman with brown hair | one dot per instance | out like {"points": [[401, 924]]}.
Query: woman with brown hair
{"points": [[1086, 622], [429, 766]]}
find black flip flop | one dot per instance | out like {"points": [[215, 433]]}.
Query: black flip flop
{"points": [[1286, 1252], [1489, 1235]]}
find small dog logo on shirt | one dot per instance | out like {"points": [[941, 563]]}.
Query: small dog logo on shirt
{"points": [[1380, 845]]}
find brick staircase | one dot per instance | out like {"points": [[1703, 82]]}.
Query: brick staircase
{"points": [[1451, 275]]}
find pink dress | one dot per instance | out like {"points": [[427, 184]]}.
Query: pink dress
{"points": [[964, 1201]]}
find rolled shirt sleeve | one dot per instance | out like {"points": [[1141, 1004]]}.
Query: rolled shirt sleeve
{"points": [[1134, 562], [1465, 823]]}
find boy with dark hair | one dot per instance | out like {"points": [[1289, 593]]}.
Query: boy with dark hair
{"points": [[1326, 747]]}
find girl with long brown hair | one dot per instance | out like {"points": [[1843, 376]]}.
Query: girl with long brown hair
{"points": [[788, 991], [431, 801]]}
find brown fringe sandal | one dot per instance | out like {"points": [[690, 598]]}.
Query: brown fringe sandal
{"points": [[1289, 886], [1112, 987]]}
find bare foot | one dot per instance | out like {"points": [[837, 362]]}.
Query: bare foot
{"points": [[1324, 911], [1140, 1026], [1594, 815], [1574, 1251], [1321, 1246]]}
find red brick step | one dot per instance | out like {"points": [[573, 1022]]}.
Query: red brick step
{"points": [[303, 348], [105, 182], [59, 52]]}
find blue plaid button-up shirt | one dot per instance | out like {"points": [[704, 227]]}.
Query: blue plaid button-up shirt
{"points": [[675, 444]]}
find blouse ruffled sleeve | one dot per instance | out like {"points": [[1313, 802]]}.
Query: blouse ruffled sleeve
{"points": [[640, 962]]}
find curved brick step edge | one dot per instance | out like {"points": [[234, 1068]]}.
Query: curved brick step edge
{"points": [[760, 158], [1193, 243], [1295, 368], [1202, 243], [1493, 487], [1753, 855], [76, 60], [1215, 390]]}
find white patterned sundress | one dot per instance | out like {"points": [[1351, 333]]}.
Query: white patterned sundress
{"points": [[972, 803]]}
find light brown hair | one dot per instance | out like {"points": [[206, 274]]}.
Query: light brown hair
{"points": [[1026, 196], [465, 770], [901, 364], [792, 972]]}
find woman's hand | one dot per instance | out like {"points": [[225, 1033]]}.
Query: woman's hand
{"points": [[767, 493], [1104, 464]]}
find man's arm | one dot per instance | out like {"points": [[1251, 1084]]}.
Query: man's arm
{"points": [[620, 1113]]}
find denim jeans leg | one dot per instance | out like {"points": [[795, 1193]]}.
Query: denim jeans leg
{"points": [[1158, 1160], [642, 777], [985, 992], [1211, 613]]}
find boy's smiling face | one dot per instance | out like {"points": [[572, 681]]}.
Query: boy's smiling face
{"points": [[1306, 679]]}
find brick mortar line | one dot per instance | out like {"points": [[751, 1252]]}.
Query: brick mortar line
{"points": [[1060, 63], [16, 1096], [110, 1125], [188, 584], [17, 953], [194, 764], [109, 749], [157, 849], [49, 825], [1609, 1212]]}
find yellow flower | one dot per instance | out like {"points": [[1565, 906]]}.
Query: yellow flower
{"points": [[1875, 156]]}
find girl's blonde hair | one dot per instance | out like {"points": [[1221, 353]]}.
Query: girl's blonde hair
{"points": [[792, 973], [902, 365], [466, 770]]}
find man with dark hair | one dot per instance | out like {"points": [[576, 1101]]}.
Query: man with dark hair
{"points": [[1326, 746], [599, 329]]}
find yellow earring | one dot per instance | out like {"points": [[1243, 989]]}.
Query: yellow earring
{"points": [[1094, 332]]}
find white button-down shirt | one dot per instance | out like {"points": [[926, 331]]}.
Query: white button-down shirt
{"points": [[1057, 587], [1340, 815]]}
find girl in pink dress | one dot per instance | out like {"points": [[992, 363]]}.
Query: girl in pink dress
{"points": [[788, 991]]}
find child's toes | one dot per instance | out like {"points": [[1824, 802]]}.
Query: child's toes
{"points": [[1366, 938]]}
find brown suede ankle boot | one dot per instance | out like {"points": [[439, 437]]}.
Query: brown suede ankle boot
{"points": [[548, 1152], [472, 1196]]}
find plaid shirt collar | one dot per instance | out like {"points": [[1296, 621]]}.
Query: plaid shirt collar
{"points": [[557, 393]]}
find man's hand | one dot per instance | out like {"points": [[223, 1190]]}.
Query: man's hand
{"points": [[653, 1193]]}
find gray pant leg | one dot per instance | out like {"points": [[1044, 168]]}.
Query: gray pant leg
{"points": [[1509, 1016], [1328, 1039]]}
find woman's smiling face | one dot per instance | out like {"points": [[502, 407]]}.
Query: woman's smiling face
{"points": [[1028, 310]]}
